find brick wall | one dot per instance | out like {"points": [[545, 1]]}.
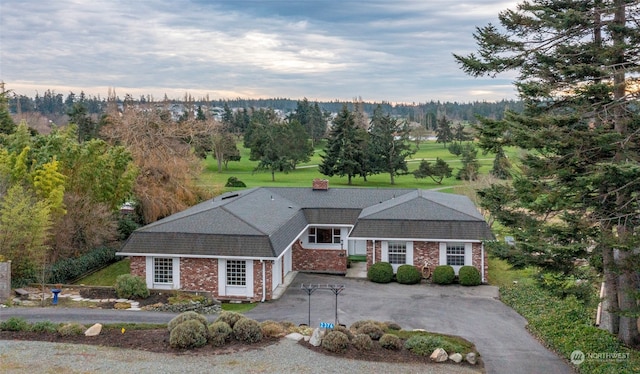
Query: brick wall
{"points": [[426, 252], [257, 280], [319, 260], [199, 274], [370, 256], [138, 266], [477, 260]]}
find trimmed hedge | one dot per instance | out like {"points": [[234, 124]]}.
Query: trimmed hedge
{"points": [[443, 274], [469, 276], [71, 269], [186, 316], [380, 272], [188, 334], [335, 341], [408, 274]]}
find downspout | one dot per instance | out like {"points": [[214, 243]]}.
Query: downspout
{"points": [[264, 279], [482, 261]]}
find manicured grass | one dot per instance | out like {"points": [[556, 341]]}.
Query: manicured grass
{"points": [[106, 276], [211, 178], [238, 307], [357, 258]]}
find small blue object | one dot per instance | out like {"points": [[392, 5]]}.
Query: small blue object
{"points": [[55, 292], [326, 325]]}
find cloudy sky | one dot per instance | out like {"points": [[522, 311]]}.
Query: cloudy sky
{"points": [[395, 50]]}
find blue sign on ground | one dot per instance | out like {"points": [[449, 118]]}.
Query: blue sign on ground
{"points": [[326, 325]]}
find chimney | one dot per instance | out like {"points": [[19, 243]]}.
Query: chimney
{"points": [[320, 184]]}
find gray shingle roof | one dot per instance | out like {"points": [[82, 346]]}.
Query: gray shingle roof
{"points": [[263, 221]]}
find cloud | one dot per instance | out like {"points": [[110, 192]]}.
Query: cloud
{"points": [[394, 51]]}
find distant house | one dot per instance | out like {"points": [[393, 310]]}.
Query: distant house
{"points": [[241, 245]]}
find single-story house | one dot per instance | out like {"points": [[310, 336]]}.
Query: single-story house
{"points": [[241, 245]]}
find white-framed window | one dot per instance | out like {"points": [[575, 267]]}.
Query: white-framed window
{"points": [[397, 253], [236, 273], [163, 270], [455, 254], [324, 235]]}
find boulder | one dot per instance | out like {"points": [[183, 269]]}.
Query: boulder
{"points": [[471, 358], [295, 336], [316, 338], [456, 357], [93, 330], [439, 355]]}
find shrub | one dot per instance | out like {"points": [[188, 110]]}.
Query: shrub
{"points": [[356, 325], [186, 316], [188, 334], [70, 269], [371, 329], [393, 326], [271, 329], [343, 330], [247, 330], [362, 342], [235, 182], [335, 341], [15, 324], [408, 274], [380, 272], [443, 274], [390, 341], [71, 329], [469, 276], [229, 317], [44, 326], [130, 286], [424, 345], [219, 333]]}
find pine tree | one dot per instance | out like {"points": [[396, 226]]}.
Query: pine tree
{"points": [[344, 154], [389, 144], [577, 189]]}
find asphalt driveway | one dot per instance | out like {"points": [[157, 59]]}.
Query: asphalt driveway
{"points": [[474, 313]]}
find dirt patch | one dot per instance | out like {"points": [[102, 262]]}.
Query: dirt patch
{"points": [[101, 293]]}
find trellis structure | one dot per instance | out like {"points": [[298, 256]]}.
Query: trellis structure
{"points": [[310, 288]]}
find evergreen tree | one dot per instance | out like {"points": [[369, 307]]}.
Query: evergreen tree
{"points": [[444, 134], [436, 172], [579, 182], [7, 125], [470, 165], [343, 153], [389, 144]]}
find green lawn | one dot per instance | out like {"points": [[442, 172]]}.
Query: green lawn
{"points": [[501, 274], [106, 276], [305, 173]]}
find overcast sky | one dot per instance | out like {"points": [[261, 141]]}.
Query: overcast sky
{"points": [[395, 50]]}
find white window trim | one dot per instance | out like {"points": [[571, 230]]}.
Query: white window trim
{"points": [[304, 237], [226, 290], [468, 254], [385, 253], [149, 272]]}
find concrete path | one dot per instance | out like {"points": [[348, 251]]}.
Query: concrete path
{"points": [[474, 313]]}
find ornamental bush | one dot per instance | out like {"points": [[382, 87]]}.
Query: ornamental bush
{"points": [[188, 334], [271, 329], [362, 342], [390, 341], [343, 330], [219, 333], [424, 345], [229, 317], [408, 274], [469, 276], [443, 274], [182, 317], [371, 329], [70, 269], [15, 324], [131, 287], [247, 330], [71, 329], [335, 341], [44, 326], [380, 272]]}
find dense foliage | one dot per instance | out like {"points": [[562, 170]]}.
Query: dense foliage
{"points": [[129, 286], [408, 274], [443, 274], [469, 276], [380, 272]]}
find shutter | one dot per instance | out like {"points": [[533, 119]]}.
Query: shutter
{"points": [[468, 253], [249, 278], [149, 271], [222, 277], [443, 254], [384, 256], [410, 253], [176, 273]]}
